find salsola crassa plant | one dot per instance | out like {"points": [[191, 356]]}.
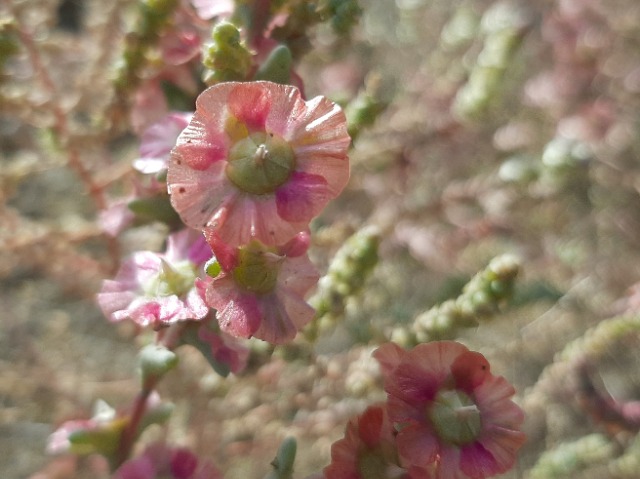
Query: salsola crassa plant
{"points": [[322, 239]]}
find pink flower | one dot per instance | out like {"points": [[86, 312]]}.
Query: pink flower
{"points": [[454, 417], [260, 290], [158, 140], [160, 461], [225, 348], [156, 289], [207, 9], [368, 449], [258, 162]]}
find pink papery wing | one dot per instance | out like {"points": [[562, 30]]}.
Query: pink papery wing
{"points": [[437, 357], [389, 356], [113, 298], [151, 311], [245, 217], [284, 314], [286, 112], [158, 140], [250, 103], [449, 464], [493, 397], [198, 195], [477, 462], [320, 141], [302, 197], [238, 312], [298, 275], [417, 446], [412, 384]]}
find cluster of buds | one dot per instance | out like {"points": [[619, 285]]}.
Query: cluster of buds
{"points": [[480, 300]]}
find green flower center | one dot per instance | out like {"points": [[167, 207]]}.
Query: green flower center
{"points": [[257, 269], [174, 278], [455, 417], [259, 163]]}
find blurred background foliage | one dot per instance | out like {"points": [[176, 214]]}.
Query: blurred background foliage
{"points": [[480, 128]]}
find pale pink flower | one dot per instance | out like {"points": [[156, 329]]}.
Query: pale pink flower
{"points": [[454, 418], [260, 290], [258, 162], [154, 289], [160, 461], [207, 9], [158, 140]]}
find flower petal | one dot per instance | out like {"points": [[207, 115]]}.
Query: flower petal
{"points": [[298, 275], [238, 312], [284, 314], [250, 103], [199, 146], [389, 356], [245, 218], [158, 140], [477, 462], [417, 446], [197, 195], [302, 197]]}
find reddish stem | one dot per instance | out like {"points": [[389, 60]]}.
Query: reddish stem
{"points": [[130, 432], [61, 128]]}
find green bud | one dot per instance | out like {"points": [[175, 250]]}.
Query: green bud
{"points": [[277, 67], [283, 462], [226, 58], [154, 362], [212, 267]]}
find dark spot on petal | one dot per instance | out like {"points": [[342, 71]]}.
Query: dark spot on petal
{"points": [[179, 162], [181, 190]]}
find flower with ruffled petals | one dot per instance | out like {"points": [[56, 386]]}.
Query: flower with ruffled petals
{"points": [[158, 140], [158, 289], [453, 416], [159, 461], [258, 162], [260, 290], [368, 449]]}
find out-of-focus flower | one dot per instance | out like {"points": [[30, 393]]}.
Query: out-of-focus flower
{"points": [[258, 162], [454, 418], [158, 289], [116, 217], [225, 348], [260, 290], [207, 9], [160, 461], [85, 436], [368, 449], [102, 433], [158, 140]]}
